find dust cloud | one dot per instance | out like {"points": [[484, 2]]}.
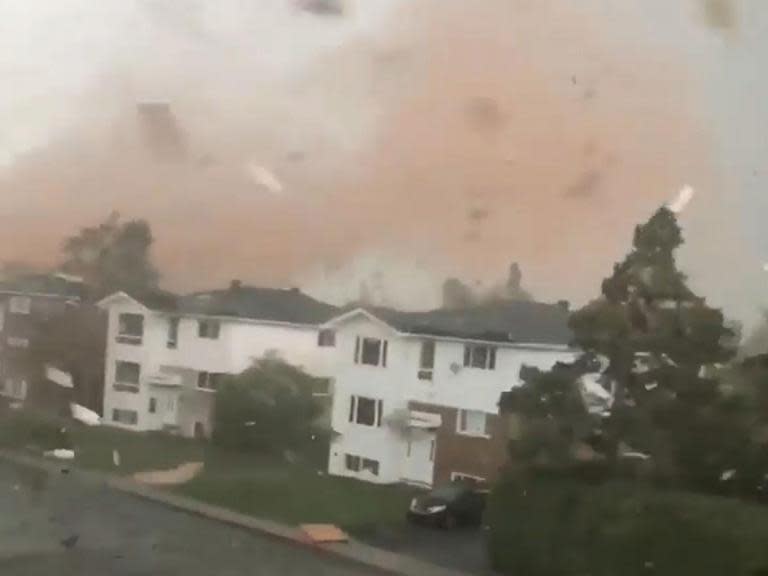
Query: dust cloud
{"points": [[411, 141]]}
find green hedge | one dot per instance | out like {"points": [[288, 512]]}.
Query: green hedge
{"points": [[554, 527]]}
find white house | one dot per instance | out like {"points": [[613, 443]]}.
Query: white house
{"points": [[166, 355], [416, 394]]}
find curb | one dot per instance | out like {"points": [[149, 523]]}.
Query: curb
{"points": [[353, 552]]}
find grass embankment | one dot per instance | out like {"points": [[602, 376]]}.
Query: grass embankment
{"points": [[292, 492]]}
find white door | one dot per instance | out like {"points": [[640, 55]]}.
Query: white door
{"points": [[420, 458], [169, 408]]}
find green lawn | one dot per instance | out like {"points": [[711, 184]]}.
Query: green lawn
{"points": [[260, 485]]}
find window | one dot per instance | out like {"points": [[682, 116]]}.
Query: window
{"points": [[352, 462], [427, 360], [129, 417], [469, 478], [432, 446], [20, 305], [152, 405], [130, 329], [173, 333], [358, 464], [16, 342], [209, 329], [326, 338], [209, 380], [127, 374], [365, 411], [371, 351], [480, 356], [472, 423], [15, 388]]}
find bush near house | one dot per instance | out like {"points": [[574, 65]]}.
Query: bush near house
{"points": [[553, 526], [270, 407]]}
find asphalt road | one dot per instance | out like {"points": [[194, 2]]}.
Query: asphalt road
{"points": [[57, 524]]}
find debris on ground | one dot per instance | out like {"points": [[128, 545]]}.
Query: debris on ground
{"points": [[60, 453], [179, 475], [324, 533], [116, 457], [70, 541]]}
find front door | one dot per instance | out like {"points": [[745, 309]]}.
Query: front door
{"points": [[170, 413], [420, 457]]}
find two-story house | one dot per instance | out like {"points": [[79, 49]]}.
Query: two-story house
{"points": [[167, 354], [416, 394], [29, 304]]}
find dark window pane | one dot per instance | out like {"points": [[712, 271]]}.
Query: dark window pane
{"points": [[479, 356], [371, 351], [427, 359], [326, 338], [366, 411]]}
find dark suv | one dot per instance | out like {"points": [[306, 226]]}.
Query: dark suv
{"points": [[449, 505]]}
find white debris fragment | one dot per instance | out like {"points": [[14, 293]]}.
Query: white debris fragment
{"points": [[651, 386], [61, 454], [250, 423], [84, 415], [727, 475], [682, 200], [63, 379], [264, 178], [15, 405], [636, 455], [116, 457]]}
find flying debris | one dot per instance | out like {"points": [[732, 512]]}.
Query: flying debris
{"points": [[264, 178], [682, 200], [116, 457], [63, 379], [161, 130], [84, 415], [61, 454], [322, 7]]}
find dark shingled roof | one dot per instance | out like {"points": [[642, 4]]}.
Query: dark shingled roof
{"points": [[510, 321], [269, 304], [47, 284]]}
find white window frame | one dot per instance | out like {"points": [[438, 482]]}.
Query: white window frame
{"points": [[354, 413], [462, 477], [20, 305], [205, 331], [15, 388], [126, 338], [381, 360], [491, 353], [363, 464], [17, 342], [124, 384], [326, 338], [466, 431], [172, 338], [125, 411], [205, 376]]}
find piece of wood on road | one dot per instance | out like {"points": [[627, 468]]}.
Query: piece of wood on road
{"points": [[324, 533]]}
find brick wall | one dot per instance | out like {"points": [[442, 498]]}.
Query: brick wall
{"points": [[476, 456]]}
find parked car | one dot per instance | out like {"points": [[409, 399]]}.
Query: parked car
{"points": [[449, 505]]}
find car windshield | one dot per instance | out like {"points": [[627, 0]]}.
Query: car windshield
{"points": [[292, 267], [449, 491]]}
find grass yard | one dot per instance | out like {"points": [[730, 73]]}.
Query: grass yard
{"points": [[269, 487]]}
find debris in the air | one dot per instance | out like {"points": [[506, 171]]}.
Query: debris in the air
{"points": [[70, 541], [322, 7], [84, 415], [250, 423], [61, 454], [264, 178], [651, 386], [15, 405], [682, 200], [727, 475], [63, 379], [116, 457], [161, 129]]}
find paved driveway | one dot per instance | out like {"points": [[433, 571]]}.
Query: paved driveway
{"points": [[461, 549], [118, 534]]}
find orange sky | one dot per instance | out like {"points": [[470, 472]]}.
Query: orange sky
{"points": [[459, 137]]}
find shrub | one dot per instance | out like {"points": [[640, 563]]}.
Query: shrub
{"points": [[551, 526]]}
